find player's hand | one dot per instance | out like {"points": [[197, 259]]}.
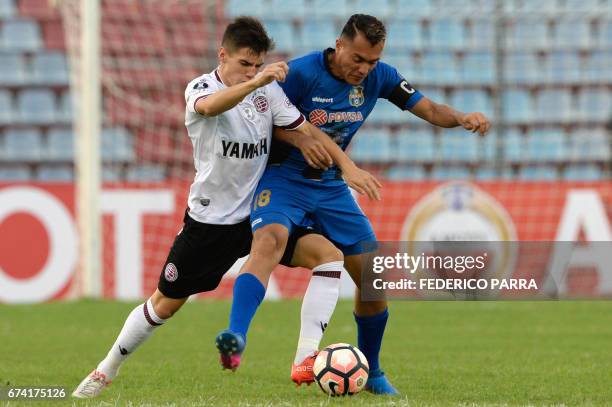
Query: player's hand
{"points": [[475, 122], [313, 151], [273, 72], [362, 181]]}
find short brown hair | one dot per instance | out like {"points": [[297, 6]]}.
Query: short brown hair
{"points": [[247, 32], [371, 27]]}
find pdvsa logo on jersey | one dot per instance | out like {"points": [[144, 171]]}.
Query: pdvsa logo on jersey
{"points": [[261, 104], [318, 117], [356, 96], [170, 272], [461, 216]]}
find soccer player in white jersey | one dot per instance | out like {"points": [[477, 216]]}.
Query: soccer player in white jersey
{"points": [[229, 116]]}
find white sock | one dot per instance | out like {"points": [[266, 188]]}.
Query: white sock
{"points": [[318, 306], [138, 326]]}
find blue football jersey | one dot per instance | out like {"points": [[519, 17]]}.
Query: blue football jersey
{"points": [[334, 106]]}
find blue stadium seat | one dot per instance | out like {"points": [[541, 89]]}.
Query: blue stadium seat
{"points": [[514, 146], [447, 33], [490, 173], [478, 68], [554, 105], [379, 8], [472, 101], [412, 8], [146, 173], [60, 145], [587, 172], [482, 33], [527, 7], [286, 9], [595, 104], [458, 145], [404, 35], [572, 33], [7, 9], [12, 70], [435, 94], [319, 34], [439, 68], [22, 144], [487, 147], [55, 173], [283, 35], [36, 106], [405, 65], [517, 106], [547, 145], [370, 145], [20, 35], [387, 113], [111, 174], [580, 6], [591, 145], [538, 173], [65, 113], [117, 145], [527, 34], [7, 111], [415, 146], [50, 68], [324, 9], [522, 68], [445, 172], [598, 67], [604, 38], [401, 173], [256, 8], [563, 67], [15, 173]]}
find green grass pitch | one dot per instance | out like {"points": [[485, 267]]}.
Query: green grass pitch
{"points": [[436, 353]]}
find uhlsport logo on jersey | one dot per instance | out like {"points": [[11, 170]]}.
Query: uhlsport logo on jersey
{"points": [[170, 272], [356, 96], [461, 212], [261, 104]]}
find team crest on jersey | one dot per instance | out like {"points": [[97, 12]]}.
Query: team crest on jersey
{"points": [[261, 104], [356, 96], [170, 272], [318, 117]]}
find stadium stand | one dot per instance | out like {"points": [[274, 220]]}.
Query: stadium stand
{"points": [[554, 90]]}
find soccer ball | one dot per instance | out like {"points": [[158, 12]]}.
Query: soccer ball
{"points": [[341, 369]]}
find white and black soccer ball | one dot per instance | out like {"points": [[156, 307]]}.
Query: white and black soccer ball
{"points": [[341, 369]]}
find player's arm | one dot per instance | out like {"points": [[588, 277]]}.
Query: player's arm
{"points": [[312, 149], [227, 98], [361, 181], [445, 116]]}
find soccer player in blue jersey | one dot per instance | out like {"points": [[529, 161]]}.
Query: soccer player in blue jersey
{"points": [[336, 90]]}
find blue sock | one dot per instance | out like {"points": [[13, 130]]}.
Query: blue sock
{"points": [[248, 294], [370, 331]]}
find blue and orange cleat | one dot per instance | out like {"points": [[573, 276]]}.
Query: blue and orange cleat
{"points": [[379, 384], [230, 346]]}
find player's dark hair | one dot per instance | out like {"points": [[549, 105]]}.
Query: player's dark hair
{"points": [[371, 28], [247, 32]]}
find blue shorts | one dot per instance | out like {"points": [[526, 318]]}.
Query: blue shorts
{"points": [[288, 199]]}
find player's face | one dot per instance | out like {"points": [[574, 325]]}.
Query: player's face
{"points": [[355, 58], [239, 65]]}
